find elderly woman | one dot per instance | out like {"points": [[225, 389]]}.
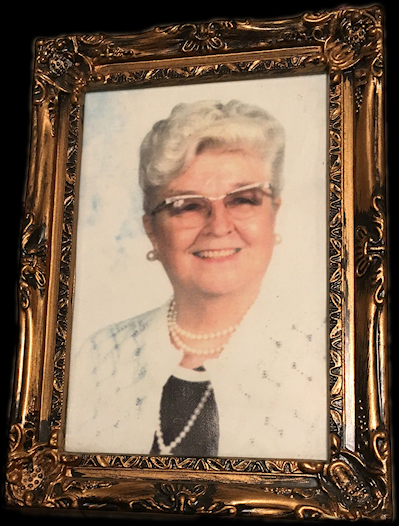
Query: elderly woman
{"points": [[202, 375]]}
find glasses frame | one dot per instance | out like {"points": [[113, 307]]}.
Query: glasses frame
{"points": [[174, 198]]}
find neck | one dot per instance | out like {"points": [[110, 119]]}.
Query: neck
{"points": [[203, 313]]}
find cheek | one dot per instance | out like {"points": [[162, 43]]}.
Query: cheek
{"points": [[172, 243], [260, 233]]}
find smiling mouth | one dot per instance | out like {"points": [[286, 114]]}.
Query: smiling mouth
{"points": [[211, 254]]}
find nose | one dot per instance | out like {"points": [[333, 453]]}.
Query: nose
{"points": [[219, 223]]}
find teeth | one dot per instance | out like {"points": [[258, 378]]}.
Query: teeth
{"points": [[216, 253]]}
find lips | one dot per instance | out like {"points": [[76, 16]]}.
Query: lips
{"points": [[213, 254]]}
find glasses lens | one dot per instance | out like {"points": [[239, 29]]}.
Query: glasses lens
{"points": [[190, 211], [244, 203]]}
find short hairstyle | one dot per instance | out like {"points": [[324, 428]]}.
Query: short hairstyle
{"points": [[193, 128]]}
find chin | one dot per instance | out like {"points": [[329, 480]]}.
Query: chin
{"points": [[216, 293], [219, 284], [224, 289]]}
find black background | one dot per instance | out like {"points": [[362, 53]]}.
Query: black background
{"points": [[21, 26]]}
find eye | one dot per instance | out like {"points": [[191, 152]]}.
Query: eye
{"points": [[242, 200], [186, 205], [246, 197]]}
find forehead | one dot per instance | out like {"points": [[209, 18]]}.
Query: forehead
{"points": [[214, 172]]}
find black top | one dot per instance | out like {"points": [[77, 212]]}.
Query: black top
{"points": [[179, 400]]}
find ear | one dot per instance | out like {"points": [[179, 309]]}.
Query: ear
{"points": [[149, 230], [276, 204], [275, 208]]}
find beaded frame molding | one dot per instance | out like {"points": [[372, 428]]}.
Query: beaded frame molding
{"points": [[356, 480]]}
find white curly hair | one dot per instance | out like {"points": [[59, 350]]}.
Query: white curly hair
{"points": [[193, 128]]}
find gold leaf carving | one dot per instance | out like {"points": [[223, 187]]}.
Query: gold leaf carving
{"points": [[33, 254], [205, 36], [348, 35], [370, 248], [35, 470], [353, 489]]}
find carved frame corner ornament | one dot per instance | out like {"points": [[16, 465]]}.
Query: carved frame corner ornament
{"points": [[356, 481]]}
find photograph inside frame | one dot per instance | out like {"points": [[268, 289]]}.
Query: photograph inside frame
{"points": [[201, 281]]}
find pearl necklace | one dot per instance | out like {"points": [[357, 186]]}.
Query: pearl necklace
{"points": [[175, 331], [192, 336], [167, 450], [191, 350]]}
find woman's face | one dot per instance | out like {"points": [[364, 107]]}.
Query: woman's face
{"points": [[223, 255]]}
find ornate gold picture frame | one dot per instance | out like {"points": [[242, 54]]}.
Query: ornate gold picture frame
{"points": [[355, 482]]}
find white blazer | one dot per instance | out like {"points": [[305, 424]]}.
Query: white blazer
{"points": [[271, 392]]}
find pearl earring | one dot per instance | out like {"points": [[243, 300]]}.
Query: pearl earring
{"points": [[277, 239], [152, 255]]}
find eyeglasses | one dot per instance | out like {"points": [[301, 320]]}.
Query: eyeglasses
{"points": [[193, 210]]}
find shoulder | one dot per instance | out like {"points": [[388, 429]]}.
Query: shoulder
{"points": [[118, 332], [116, 336]]}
